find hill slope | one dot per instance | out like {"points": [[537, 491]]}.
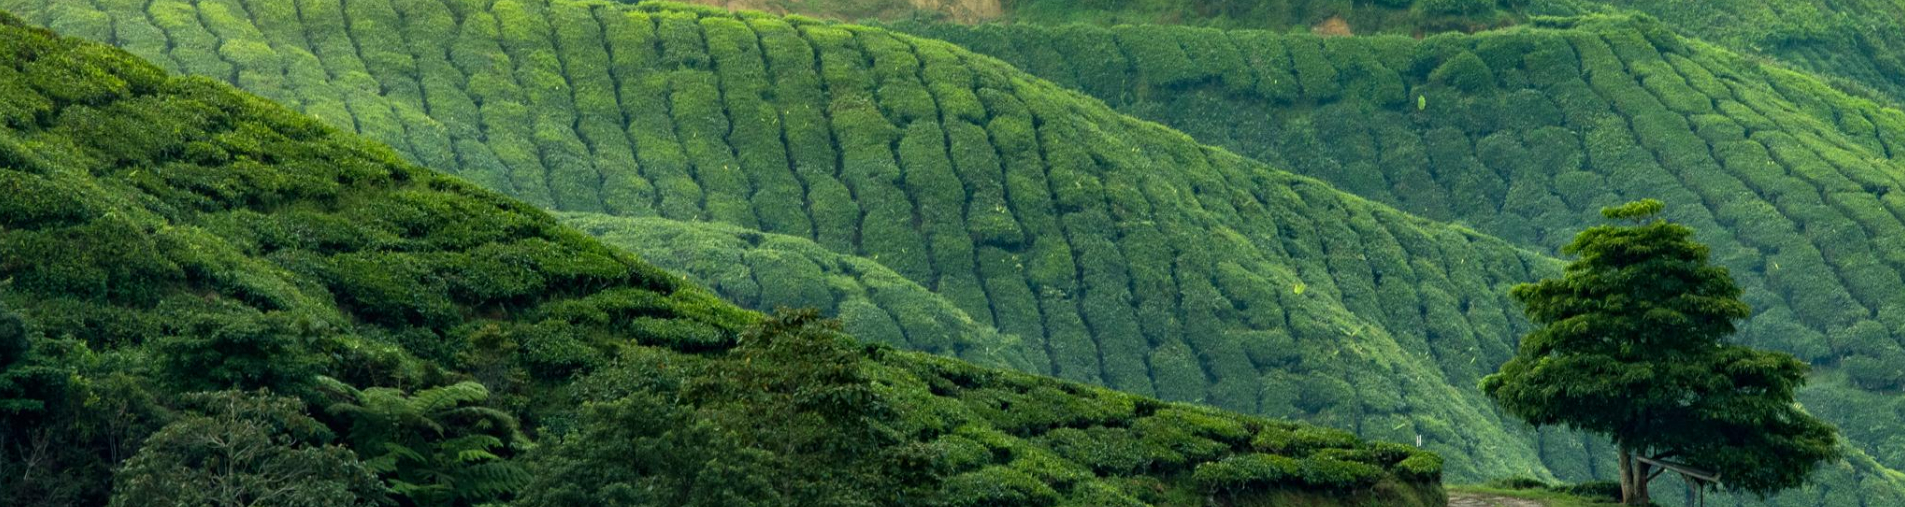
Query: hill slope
{"points": [[768, 271], [1523, 132], [1854, 44], [160, 235], [1134, 257]]}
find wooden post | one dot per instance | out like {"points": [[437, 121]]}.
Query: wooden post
{"points": [[1694, 477]]}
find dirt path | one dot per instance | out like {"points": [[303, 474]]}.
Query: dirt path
{"points": [[1480, 500]]}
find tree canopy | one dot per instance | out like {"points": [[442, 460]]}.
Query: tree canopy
{"points": [[1632, 344]]}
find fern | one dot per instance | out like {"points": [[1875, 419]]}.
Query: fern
{"points": [[436, 447]]}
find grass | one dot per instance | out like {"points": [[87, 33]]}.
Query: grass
{"points": [[1547, 498]]}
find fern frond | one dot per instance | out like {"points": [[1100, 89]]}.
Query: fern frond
{"points": [[446, 397]]}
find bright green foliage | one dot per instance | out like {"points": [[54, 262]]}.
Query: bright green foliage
{"points": [[1632, 346], [770, 271], [435, 448], [153, 221], [1566, 116], [238, 449], [1031, 211]]}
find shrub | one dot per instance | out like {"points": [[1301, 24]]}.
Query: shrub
{"points": [[997, 486], [1301, 441], [1312, 69], [1325, 473], [1607, 491], [1107, 451], [1465, 72], [1519, 482], [1247, 471], [1421, 466], [1454, 7]]}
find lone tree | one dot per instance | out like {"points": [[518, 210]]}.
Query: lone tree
{"points": [[1632, 346]]}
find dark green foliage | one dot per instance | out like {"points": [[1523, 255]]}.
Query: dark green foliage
{"points": [[436, 447], [1641, 319], [237, 448], [865, 295], [1465, 72], [815, 431]]}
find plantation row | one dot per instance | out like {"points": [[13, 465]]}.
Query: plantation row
{"points": [[1523, 133], [184, 261], [1853, 43], [1793, 179], [1130, 256], [769, 271]]}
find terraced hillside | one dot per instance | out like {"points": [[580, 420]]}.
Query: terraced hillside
{"points": [[1132, 256], [1325, 16], [770, 271], [1855, 44], [1043, 215], [1520, 133], [162, 235]]}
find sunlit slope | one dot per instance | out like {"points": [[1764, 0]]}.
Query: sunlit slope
{"points": [[174, 234], [770, 271], [1134, 257], [1854, 44], [1523, 133]]}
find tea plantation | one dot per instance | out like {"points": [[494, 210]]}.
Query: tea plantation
{"points": [[234, 244], [1131, 256], [869, 173]]}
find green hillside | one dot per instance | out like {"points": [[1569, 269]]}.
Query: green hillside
{"points": [[1854, 44], [1355, 16], [769, 271], [1522, 133], [165, 235], [1128, 254], [1133, 257]]}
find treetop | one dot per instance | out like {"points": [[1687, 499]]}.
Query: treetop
{"points": [[1637, 211]]}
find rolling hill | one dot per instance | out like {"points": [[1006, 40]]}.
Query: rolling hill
{"points": [[1132, 256], [1129, 254], [770, 271], [1853, 44], [160, 235]]}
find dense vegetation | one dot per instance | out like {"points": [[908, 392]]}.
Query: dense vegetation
{"points": [[1129, 255], [1854, 44], [1114, 251], [209, 299], [772, 271], [1523, 132], [1632, 345]]}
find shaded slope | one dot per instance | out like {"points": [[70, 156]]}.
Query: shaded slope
{"points": [[172, 234], [1134, 257], [769, 271]]}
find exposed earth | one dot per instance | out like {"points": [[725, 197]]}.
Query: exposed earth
{"points": [[1481, 500]]}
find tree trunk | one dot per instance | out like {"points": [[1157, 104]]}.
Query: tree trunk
{"points": [[1627, 476], [1643, 474]]}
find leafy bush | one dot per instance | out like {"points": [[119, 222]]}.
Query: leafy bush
{"points": [[1245, 472]]}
